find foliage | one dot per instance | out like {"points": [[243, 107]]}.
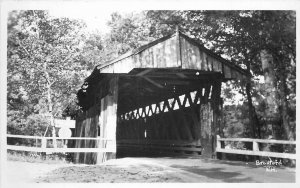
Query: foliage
{"points": [[48, 58], [235, 120], [131, 31], [32, 125], [240, 36], [43, 52]]}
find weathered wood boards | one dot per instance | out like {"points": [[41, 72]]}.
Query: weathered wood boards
{"points": [[86, 126], [176, 51], [206, 128], [103, 115], [108, 121]]}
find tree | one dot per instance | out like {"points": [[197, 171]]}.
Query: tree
{"points": [[242, 36], [44, 62]]}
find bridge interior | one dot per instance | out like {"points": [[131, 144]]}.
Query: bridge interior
{"points": [[167, 112]]}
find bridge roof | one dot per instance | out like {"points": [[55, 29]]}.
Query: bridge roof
{"points": [[175, 51]]}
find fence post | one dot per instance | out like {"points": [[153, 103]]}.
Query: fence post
{"points": [[44, 142], [218, 142], [255, 146], [43, 146], [221, 155]]}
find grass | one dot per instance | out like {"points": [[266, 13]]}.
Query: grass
{"points": [[37, 157]]}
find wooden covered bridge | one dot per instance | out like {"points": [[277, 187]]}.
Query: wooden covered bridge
{"points": [[160, 98]]}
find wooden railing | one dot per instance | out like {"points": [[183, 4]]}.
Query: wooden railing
{"points": [[255, 149], [43, 146]]}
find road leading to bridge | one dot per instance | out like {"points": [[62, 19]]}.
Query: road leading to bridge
{"points": [[144, 170], [210, 170]]}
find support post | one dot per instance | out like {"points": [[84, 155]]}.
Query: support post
{"points": [[108, 121], [206, 134], [209, 114]]}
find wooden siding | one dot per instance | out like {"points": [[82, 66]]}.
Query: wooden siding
{"points": [[86, 126], [102, 115], [108, 120], [177, 51]]}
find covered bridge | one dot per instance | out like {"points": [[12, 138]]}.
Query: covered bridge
{"points": [[160, 98]]}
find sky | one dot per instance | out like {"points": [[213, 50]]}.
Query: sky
{"points": [[95, 19]]}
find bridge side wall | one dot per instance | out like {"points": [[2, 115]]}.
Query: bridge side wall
{"points": [[108, 121], [86, 126], [100, 121]]}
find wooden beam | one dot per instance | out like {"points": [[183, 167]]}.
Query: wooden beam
{"points": [[175, 82], [144, 72], [153, 82], [181, 75], [148, 89]]}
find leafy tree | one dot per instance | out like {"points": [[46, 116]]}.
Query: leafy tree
{"points": [[44, 62], [130, 31], [242, 36], [258, 37]]}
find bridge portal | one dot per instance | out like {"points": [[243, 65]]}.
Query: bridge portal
{"points": [[162, 98]]}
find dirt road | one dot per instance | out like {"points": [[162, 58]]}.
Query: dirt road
{"points": [[146, 170]]}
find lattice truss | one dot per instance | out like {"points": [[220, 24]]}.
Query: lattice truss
{"points": [[177, 118], [171, 104]]}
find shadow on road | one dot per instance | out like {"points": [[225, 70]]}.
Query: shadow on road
{"points": [[215, 173]]}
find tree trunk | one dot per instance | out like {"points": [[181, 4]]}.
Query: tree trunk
{"points": [[271, 99], [51, 115], [49, 98], [254, 125], [270, 87], [284, 107]]}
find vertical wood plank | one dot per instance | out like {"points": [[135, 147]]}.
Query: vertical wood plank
{"points": [[185, 63], [206, 137], [203, 63], [227, 72], [177, 43], [151, 58], [158, 57], [215, 65], [109, 120], [216, 92]]}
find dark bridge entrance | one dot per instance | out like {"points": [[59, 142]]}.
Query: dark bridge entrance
{"points": [[167, 111], [160, 98]]}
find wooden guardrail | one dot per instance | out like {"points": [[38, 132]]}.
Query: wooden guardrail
{"points": [[43, 147], [255, 149]]}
